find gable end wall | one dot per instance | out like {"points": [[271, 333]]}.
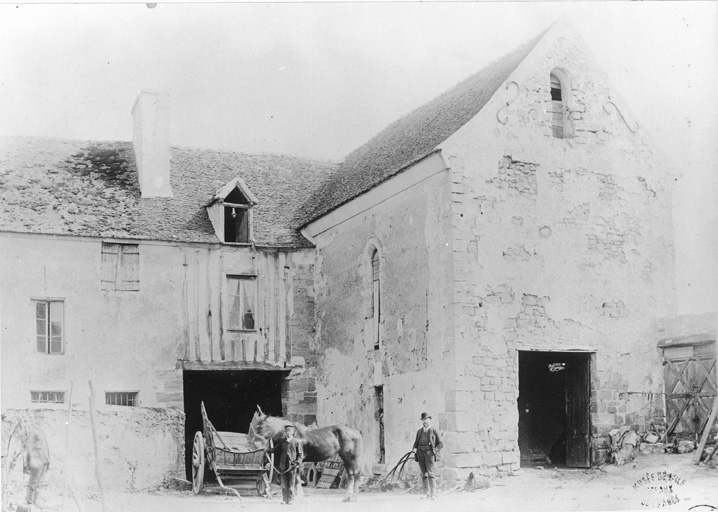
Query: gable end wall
{"points": [[557, 244]]}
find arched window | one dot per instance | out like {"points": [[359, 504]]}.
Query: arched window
{"points": [[560, 95], [375, 297]]}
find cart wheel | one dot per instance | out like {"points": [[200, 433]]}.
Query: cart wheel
{"points": [[198, 463]]}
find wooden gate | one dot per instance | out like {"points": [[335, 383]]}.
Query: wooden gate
{"points": [[689, 371]]}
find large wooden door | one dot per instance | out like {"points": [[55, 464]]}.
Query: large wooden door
{"points": [[578, 420], [690, 381]]}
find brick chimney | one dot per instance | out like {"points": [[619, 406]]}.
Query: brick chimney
{"points": [[150, 141]]}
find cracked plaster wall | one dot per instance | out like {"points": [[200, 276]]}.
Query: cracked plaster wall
{"points": [[558, 244]]}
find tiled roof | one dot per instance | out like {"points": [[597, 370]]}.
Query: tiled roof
{"points": [[415, 135], [91, 189]]}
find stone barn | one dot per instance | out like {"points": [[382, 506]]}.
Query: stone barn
{"points": [[497, 258]]}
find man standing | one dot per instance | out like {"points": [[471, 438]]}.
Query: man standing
{"points": [[426, 448], [291, 454]]}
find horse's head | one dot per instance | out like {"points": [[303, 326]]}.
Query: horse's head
{"points": [[263, 428]]}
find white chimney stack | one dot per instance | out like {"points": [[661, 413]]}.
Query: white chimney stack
{"points": [[150, 140]]}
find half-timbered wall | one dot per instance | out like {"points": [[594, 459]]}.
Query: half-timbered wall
{"points": [[140, 340], [206, 306]]}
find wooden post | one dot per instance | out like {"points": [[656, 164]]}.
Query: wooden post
{"points": [[67, 443], [706, 431], [98, 472]]}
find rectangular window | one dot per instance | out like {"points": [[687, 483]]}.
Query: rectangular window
{"points": [[120, 267], [127, 398], [49, 326], [47, 397], [236, 224], [242, 293]]}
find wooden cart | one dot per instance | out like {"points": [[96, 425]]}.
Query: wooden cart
{"points": [[228, 455]]}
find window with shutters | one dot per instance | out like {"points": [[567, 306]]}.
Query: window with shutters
{"points": [[242, 295], [560, 101], [50, 326], [120, 267], [375, 298]]}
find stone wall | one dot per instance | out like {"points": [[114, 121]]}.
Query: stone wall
{"points": [[410, 232], [559, 244], [300, 391], [140, 448]]}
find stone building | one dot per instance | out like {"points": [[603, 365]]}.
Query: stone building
{"points": [[517, 224], [498, 257]]}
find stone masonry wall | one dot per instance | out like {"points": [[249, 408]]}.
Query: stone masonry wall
{"points": [[300, 392], [410, 233], [139, 448], [558, 244]]}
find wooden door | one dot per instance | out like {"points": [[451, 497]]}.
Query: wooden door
{"points": [[578, 420], [689, 373]]}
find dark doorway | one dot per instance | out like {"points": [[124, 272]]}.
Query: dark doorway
{"points": [[379, 415], [230, 397], [554, 417]]}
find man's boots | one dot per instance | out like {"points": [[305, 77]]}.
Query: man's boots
{"points": [[426, 486], [432, 488]]}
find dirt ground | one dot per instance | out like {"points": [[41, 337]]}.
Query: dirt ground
{"points": [[657, 481]]}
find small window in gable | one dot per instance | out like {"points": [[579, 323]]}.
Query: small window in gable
{"points": [[560, 124]]}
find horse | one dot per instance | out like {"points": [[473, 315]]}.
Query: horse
{"points": [[319, 444]]}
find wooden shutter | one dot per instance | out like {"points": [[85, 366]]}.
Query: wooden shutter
{"points": [[129, 268], [110, 255]]}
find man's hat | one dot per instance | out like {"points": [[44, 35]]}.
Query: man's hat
{"points": [[425, 415]]}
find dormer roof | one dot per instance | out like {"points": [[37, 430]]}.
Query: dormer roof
{"points": [[229, 187]]}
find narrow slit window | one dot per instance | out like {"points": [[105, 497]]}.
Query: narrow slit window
{"points": [[376, 298], [555, 88], [559, 110]]}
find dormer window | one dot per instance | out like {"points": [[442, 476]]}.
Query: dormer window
{"points": [[236, 218], [560, 100], [230, 211]]}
